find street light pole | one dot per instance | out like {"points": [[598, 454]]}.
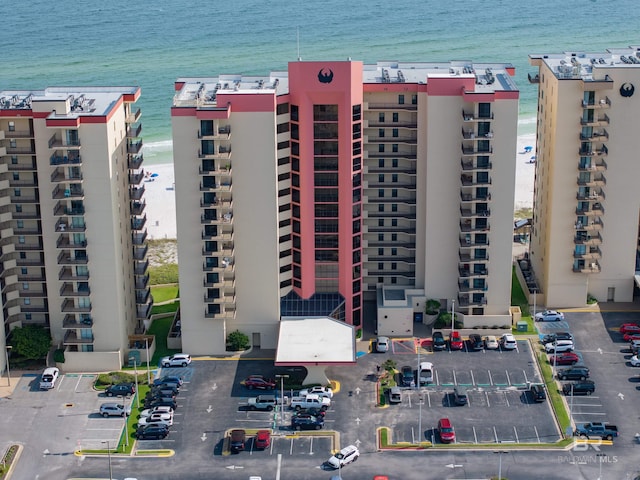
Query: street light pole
{"points": [[126, 428], [420, 418], [6, 353], [282, 377], [135, 368], [453, 316], [109, 455], [146, 344]]}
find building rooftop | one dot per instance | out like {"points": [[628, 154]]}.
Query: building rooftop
{"points": [[489, 77], [96, 101], [586, 66]]}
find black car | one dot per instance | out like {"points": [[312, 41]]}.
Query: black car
{"points": [[306, 422], [460, 396], [157, 431], [573, 373], [476, 342], [552, 337], [407, 376], [313, 411], [237, 439], [538, 393], [120, 390], [165, 390], [160, 402], [152, 395], [169, 380], [439, 342], [585, 387]]}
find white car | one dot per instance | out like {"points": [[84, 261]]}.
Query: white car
{"points": [[159, 409], [382, 344], [425, 373], [635, 361], [156, 418], [491, 342], [177, 360], [508, 342], [559, 346], [344, 457], [318, 390], [549, 316], [49, 377]]}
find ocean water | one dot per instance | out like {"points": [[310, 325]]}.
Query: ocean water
{"points": [[151, 43]]}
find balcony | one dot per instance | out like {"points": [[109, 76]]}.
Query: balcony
{"points": [[589, 267], [136, 193], [79, 258], [595, 196], [219, 235], [472, 117], [466, 272], [68, 273], [374, 139], [20, 150], [60, 174], [599, 136], [469, 226], [138, 223], [135, 162], [592, 253], [595, 210], [391, 106], [69, 306], [603, 103], [141, 282], [55, 142], [468, 212], [471, 165], [594, 225], [467, 241], [602, 121], [588, 239], [533, 77], [589, 152], [142, 296], [139, 238], [73, 190], [133, 117], [411, 154], [61, 209], [469, 301], [470, 197], [137, 208], [139, 253], [133, 132], [21, 166], [67, 290], [596, 181], [474, 150], [71, 338], [58, 158], [600, 166], [215, 187], [223, 153], [22, 247], [136, 178], [222, 133], [399, 200], [140, 268], [18, 134], [64, 241], [143, 311], [73, 321], [133, 148], [375, 123]]}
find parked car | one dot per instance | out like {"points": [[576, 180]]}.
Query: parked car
{"points": [[151, 395], [455, 341], [538, 393], [317, 390], [262, 402], [584, 387], [573, 373], [630, 337], [629, 328], [425, 373], [114, 410], [635, 361], [605, 431], [344, 457], [169, 380], [120, 390], [395, 395], [460, 396], [177, 360], [382, 344], [262, 439], [161, 402], [438, 341], [559, 346], [306, 422], [152, 432], [237, 439], [634, 345], [552, 337], [150, 411], [446, 431], [163, 390], [316, 412], [407, 376], [476, 342], [49, 377], [508, 342], [491, 342], [157, 419], [549, 316], [564, 358], [258, 381]]}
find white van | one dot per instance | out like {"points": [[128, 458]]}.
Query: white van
{"points": [[49, 377], [425, 373]]}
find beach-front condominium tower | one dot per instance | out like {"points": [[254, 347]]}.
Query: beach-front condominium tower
{"points": [[306, 192], [72, 220], [585, 231]]}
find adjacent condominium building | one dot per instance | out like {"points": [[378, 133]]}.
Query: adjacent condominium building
{"points": [[305, 192], [584, 237], [72, 220]]}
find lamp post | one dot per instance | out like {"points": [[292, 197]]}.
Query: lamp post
{"points": [[109, 455], [135, 369], [420, 418], [500, 452], [6, 353], [453, 317], [146, 345], [282, 377], [535, 293]]}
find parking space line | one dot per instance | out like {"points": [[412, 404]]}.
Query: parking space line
{"points": [[526, 380], [455, 381], [475, 437], [537, 435], [506, 398], [291, 448], [437, 379], [78, 383], [490, 378], [429, 398], [473, 380], [310, 445], [508, 379], [486, 394], [495, 433], [516, 434]]}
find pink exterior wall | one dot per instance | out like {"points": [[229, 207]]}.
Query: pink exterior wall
{"points": [[345, 90]]}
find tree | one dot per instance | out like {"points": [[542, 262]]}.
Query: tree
{"points": [[237, 341], [432, 307], [31, 341]]}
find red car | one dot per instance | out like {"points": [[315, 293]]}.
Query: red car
{"points": [[564, 358], [629, 337], [446, 431], [629, 328], [258, 381], [263, 439], [455, 341]]}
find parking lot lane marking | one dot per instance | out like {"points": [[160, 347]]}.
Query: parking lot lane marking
{"points": [[506, 398], [516, 434], [495, 434], [473, 380], [437, 379], [310, 445], [78, 383], [490, 378], [508, 379], [291, 447], [455, 380], [537, 435], [409, 397], [526, 380], [486, 394], [429, 398], [475, 437]]}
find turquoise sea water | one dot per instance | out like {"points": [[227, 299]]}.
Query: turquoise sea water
{"points": [[151, 43]]}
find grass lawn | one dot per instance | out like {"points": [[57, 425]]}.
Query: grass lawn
{"points": [[552, 389], [167, 308], [160, 328], [519, 299], [163, 293]]}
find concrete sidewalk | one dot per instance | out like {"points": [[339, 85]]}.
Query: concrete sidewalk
{"points": [[5, 389]]}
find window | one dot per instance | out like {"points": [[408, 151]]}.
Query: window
{"points": [[394, 192], [381, 222], [27, 301], [394, 178], [381, 207], [14, 160], [23, 270], [394, 163], [294, 113], [381, 177], [381, 148], [381, 237], [381, 132], [395, 117], [381, 163], [282, 108], [394, 148], [401, 99], [394, 251], [394, 266], [12, 126], [394, 237], [394, 222], [394, 207], [283, 127], [16, 192], [380, 193], [381, 252], [356, 112], [381, 117], [394, 132]]}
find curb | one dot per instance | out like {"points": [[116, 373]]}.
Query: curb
{"points": [[14, 462]]}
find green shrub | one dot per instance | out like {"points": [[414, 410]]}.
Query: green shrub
{"points": [[237, 341], [58, 356], [432, 307], [111, 378], [591, 299]]}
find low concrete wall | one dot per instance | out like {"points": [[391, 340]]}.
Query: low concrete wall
{"points": [[540, 297], [90, 362]]}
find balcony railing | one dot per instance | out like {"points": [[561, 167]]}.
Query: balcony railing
{"points": [[65, 258], [68, 290], [59, 175], [55, 142], [133, 117], [589, 267], [135, 162], [596, 122], [71, 338], [596, 181], [133, 132], [61, 191], [61, 159], [591, 196], [600, 166], [69, 306], [136, 193], [134, 147], [73, 321], [139, 238], [602, 103], [588, 239], [68, 273]]}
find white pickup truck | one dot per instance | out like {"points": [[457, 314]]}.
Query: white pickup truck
{"points": [[310, 401]]}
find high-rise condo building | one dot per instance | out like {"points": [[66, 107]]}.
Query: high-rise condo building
{"points": [[306, 192], [585, 231], [72, 220]]}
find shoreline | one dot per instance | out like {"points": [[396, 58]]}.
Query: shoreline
{"points": [[161, 199]]}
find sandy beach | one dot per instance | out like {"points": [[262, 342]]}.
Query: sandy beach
{"points": [[161, 199]]}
